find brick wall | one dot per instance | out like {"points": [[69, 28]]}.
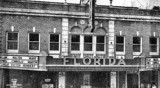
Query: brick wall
{"points": [[25, 24], [130, 29]]}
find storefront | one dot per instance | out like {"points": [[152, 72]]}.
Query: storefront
{"points": [[26, 72], [95, 73], [149, 77]]}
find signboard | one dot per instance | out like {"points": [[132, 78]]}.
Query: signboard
{"points": [[19, 61], [14, 84], [94, 61], [152, 62]]}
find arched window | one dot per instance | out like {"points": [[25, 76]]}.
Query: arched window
{"points": [[100, 30], [76, 29], [75, 38]]}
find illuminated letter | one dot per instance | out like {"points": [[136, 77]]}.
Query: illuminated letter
{"points": [[96, 61], [65, 61], [104, 61], [112, 61], [121, 62], [85, 62], [75, 62]]}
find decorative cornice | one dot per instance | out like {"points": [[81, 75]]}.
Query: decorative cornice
{"points": [[51, 13]]}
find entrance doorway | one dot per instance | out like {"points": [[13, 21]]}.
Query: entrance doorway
{"points": [[132, 80]]}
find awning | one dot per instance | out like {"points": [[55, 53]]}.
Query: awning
{"points": [[29, 69], [92, 68]]}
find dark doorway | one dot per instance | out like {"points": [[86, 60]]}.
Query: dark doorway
{"points": [[132, 80]]}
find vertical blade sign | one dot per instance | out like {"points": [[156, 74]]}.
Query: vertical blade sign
{"points": [[92, 15]]}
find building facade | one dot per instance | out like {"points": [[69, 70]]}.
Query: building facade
{"points": [[50, 45]]}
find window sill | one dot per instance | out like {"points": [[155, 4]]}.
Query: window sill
{"points": [[12, 51], [153, 53], [54, 52], [136, 53], [75, 51], [100, 52], [33, 51], [120, 53]]}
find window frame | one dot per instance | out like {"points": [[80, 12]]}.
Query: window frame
{"points": [[91, 44], [119, 52], [137, 53], [154, 53], [54, 51], [79, 43], [100, 52], [94, 43], [33, 51], [12, 50]]}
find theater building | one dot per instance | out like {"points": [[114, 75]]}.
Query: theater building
{"points": [[50, 45]]}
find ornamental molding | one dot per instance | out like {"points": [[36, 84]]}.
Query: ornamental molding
{"points": [[51, 13]]}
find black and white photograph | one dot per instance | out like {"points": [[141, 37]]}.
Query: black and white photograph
{"points": [[79, 43]]}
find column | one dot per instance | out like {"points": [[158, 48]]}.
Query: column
{"points": [[113, 80], [111, 52], [65, 32], [111, 49], [61, 80]]}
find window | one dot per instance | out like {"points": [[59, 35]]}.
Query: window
{"points": [[87, 43], [154, 46], [100, 43], [119, 44], [12, 41], [34, 42], [54, 42], [75, 42], [137, 44]]}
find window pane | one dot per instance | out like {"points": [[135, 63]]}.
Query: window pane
{"points": [[88, 39], [54, 46], [12, 41], [33, 46], [12, 45], [75, 38], [119, 39], [100, 39], [75, 46], [153, 48], [34, 37], [88, 47], [12, 36], [120, 48], [54, 38], [88, 43], [100, 47], [136, 48], [153, 40], [136, 40]]}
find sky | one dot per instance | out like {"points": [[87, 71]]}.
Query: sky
{"points": [[144, 4]]}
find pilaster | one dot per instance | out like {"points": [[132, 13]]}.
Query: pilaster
{"points": [[1, 30], [65, 37]]}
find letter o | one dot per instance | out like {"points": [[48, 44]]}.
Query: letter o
{"points": [[86, 63]]}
